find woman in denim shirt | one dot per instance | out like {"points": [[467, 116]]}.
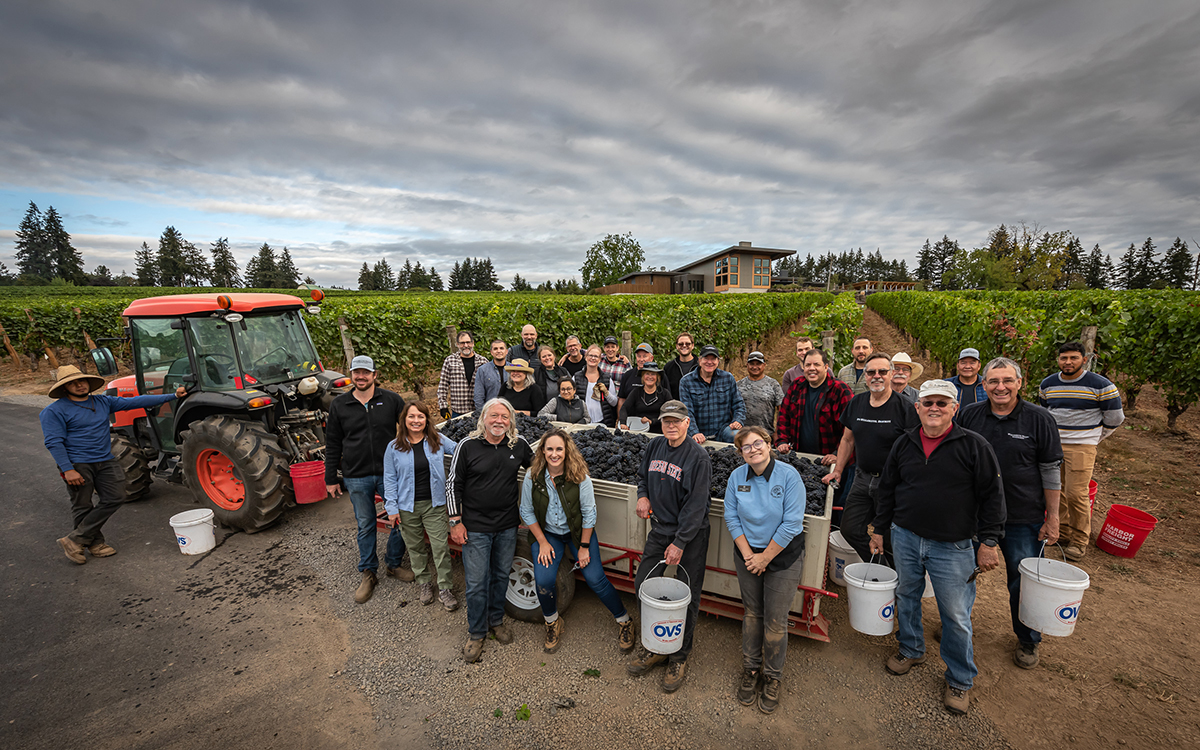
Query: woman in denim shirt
{"points": [[559, 507], [414, 495]]}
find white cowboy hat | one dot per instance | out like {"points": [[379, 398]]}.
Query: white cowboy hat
{"points": [[903, 359]]}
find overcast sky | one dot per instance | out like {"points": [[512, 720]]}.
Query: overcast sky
{"points": [[526, 131]]}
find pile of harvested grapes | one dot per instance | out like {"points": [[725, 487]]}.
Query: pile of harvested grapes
{"points": [[530, 428]]}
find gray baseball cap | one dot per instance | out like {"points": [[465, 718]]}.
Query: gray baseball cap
{"points": [[968, 352], [362, 362], [673, 410], [644, 347]]}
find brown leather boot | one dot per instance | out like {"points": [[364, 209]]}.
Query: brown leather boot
{"points": [[554, 632], [625, 638], [100, 549], [366, 587], [73, 550], [403, 574]]}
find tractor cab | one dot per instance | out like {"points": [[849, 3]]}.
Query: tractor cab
{"points": [[249, 364]]}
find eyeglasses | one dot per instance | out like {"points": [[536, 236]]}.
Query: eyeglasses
{"points": [[930, 403], [878, 373], [753, 446]]}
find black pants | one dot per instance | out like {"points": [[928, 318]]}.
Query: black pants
{"points": [[694, 555], [107, 480], [858, 511]]}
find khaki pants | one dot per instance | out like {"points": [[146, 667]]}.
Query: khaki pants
{"points": [[423, 519], [1075, 513]]}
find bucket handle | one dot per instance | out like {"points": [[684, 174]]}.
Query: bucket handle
{"points": [[1042, 556], [678, 567]]}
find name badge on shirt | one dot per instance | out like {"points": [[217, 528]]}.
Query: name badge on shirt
{"points": [[743, 488]]}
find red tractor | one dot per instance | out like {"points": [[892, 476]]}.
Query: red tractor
{"points": [[258, 400]]}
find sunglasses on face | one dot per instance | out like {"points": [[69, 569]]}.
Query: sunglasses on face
{"points": [[878, 373], [930, 403]]}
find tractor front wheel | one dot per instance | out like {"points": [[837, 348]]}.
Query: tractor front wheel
{"points": [[136, 466], [237, 469]]}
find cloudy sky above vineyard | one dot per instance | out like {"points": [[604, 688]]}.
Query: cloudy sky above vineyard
{"points": [[351, 130]]}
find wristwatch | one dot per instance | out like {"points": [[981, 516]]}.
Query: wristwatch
{"points": [[454, 522], [988, 542]]}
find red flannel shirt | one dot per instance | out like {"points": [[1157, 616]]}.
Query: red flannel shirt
{"points": [[829, 411]]}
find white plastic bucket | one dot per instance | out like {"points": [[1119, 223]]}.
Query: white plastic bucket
{"points": [[872, 591], [664, 612], [841, 554], [194, 531], [1051, 592]]}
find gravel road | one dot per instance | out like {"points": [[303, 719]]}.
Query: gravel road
{"points": [[406, 660]]}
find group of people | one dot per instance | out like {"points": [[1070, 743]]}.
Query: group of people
{"points": [[936, 480]]}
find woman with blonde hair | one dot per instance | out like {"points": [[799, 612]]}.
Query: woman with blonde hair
{"points": [[414, 496], [558, 505]]}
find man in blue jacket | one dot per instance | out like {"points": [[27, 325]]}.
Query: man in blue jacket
{"points": [[966, 379], [76, 428]]}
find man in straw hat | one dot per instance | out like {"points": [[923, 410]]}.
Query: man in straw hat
{"points": [[76, 430], [904, 371], [940, 489]]}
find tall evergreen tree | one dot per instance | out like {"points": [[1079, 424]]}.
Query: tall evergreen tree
{"points": [[1127, 268], [197, 271], [366, 279], [1177, 265], [404, 275], [287, 276], [1073, 265], [385, 281], [145, 266], [68, 262], [101, 277], [1094, 276], [262, 272], [224, 265], [1146, 270], [33, 251], [172, 266], [455, 280], [418, 278], [521, 285], [435, 280]]}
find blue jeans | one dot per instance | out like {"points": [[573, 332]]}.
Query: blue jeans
{"points": [[725, 435], [546, 576], [1020, 541], [362, 496], [487, 560], [949, 565]]}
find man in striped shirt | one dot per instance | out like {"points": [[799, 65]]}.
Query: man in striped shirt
{"points": [[1087, 409]]}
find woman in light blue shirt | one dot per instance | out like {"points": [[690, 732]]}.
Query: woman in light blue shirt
{"points": [[764, 511], [559, 507], [414, 495]]}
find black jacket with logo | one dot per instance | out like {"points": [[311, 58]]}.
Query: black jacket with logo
{"points": [[356, 436]]}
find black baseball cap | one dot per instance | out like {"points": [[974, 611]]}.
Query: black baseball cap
{"points": [[610, 340], [709, 351]]}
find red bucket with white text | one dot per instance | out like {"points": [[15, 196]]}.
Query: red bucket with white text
{"points": [[1124, 530]]}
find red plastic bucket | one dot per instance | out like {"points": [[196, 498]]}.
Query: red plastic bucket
{"points": [[1092, 487], [1124, 530], [308, 481]]}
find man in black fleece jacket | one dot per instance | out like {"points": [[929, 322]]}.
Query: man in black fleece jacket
{"points": [[673, 491], [940, 488], [360, 425]]}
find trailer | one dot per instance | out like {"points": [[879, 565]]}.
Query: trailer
{"points": [[623, 537]]}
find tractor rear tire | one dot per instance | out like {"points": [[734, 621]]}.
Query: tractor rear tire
{"points": [[237, 469], [136, 466], [521, 602]]}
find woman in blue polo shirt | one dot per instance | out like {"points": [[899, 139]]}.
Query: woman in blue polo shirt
{"points": [[764, 511]]}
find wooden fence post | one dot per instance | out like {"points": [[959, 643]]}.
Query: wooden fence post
{"points": [[452, 334], [49, 352], [12, 351], [1088, 338], [627, 345], [828, 341], [347, 347]]}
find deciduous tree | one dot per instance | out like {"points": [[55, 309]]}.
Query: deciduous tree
{"points": [[610, 259]]}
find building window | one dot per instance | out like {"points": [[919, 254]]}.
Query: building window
{"points": [[696, 286], [727, 271], [762, 272]]}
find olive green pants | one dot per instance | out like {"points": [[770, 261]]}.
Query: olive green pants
{"points": [[426, 519]]}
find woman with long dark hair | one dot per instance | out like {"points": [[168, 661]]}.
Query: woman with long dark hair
{"points": [[547, 374], [414, 487], [566, 406], [558, 505]]}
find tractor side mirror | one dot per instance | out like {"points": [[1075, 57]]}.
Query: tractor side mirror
{"points": [[102, 358]]}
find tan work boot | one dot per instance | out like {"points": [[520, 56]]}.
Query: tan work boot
{"points": [[675, 675], [100, 549], [625, 640], [473, 650], [1074, 552], [899, 664], [554, 631], [72, 549], [501, 633], [366, 587], [956, 701], [644, 662], [402, 574]]}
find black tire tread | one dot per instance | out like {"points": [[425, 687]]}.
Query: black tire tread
{"points": [[135, 465], [256, 454]]}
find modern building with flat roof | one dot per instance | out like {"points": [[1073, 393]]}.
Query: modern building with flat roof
{"points": [[737, 268]]}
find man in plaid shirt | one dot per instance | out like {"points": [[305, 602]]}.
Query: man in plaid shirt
{"points": [[809, 417], [456, 388], [613, 366], [712, 397]]}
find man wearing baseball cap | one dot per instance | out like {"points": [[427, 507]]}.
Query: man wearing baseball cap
{"points": [[358, 429], [76, 433], [714, 404], [614, 365], [967, 381], [940, 489], [762, 394], [673, 492]]}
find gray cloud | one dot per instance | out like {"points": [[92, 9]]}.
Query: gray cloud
{"points": [[526, 131]]}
